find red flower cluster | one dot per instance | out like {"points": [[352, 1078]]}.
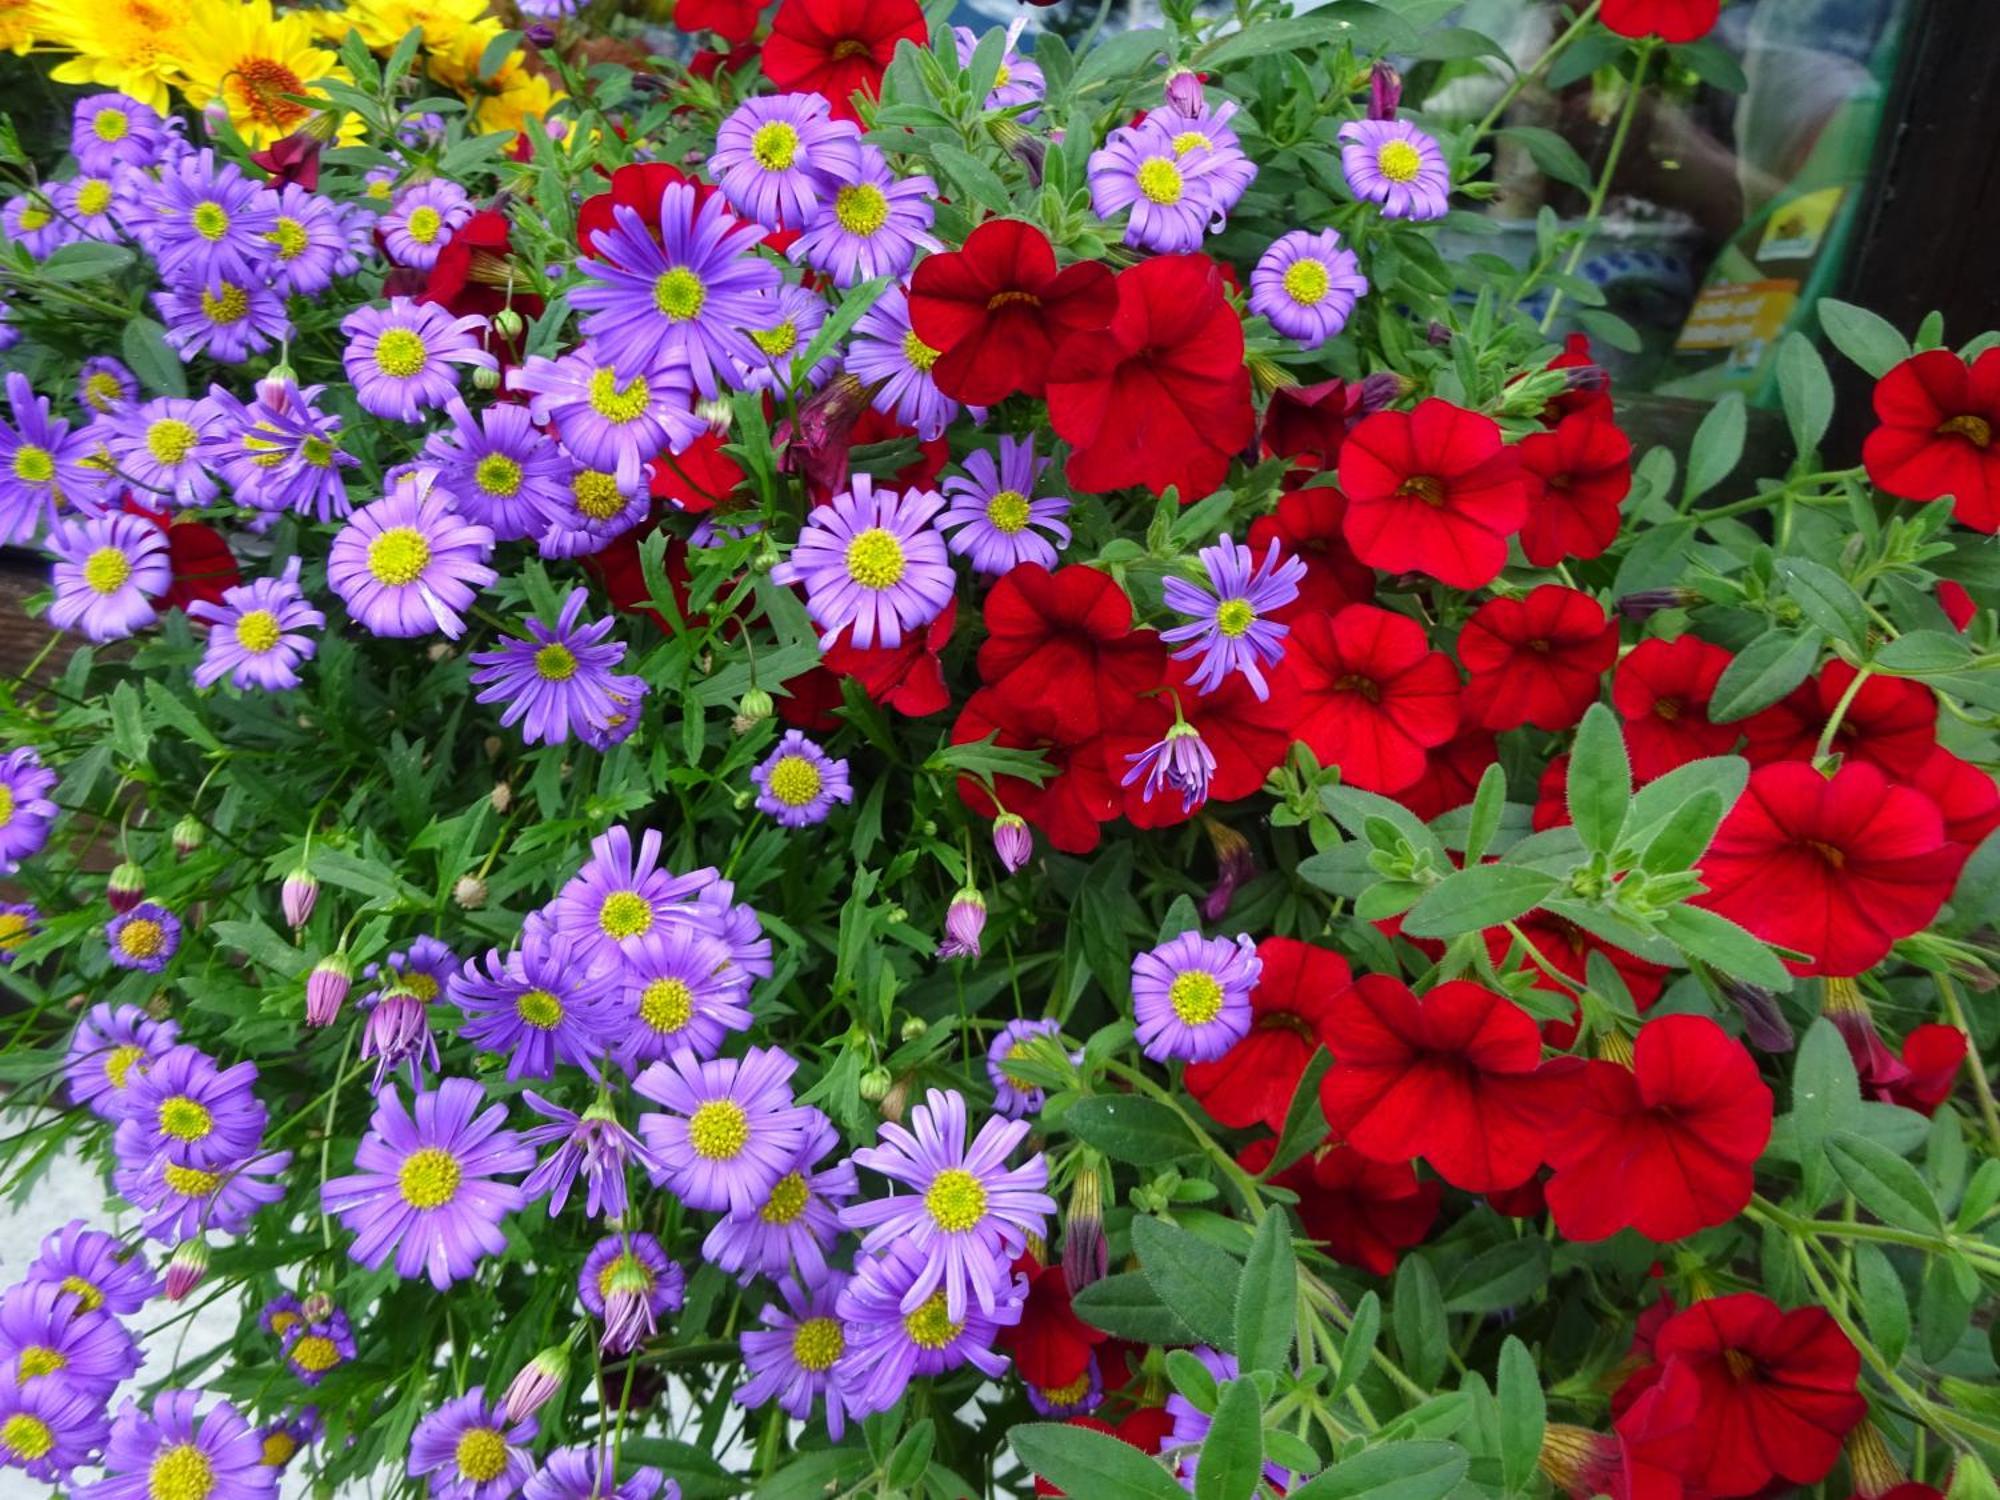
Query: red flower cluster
{"points": [[838, 48], [1432, 491], [1940, 434]]}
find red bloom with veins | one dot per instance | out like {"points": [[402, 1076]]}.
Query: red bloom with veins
{"points": [[1665, 1146], [997, 308], [1536, 660], [701, 479], [1837, 869], [1940, 434], [1063, 642], [1291, 1013], [1890, 722], [1594, 397], [735, 21], [1306, 525], [1645, 1458], [1669, 20], [1078, 795], [1662, 691], [1309, 423], [1576, 478], [1451, 774], [1777, 1392], [1432, 491], [1966, 797], [1365, 1212], [1160, 397], [908, 678], [1456, 1077], [839, 48], [1374, 695]]}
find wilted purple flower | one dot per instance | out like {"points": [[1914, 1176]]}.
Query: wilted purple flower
{"points": [[409, 564], [400, 358], [628, 1282], [593, 1143], [798, 783], [1191, 996], [872, 565], [1181, 760], [257, 640], [778, 157], [1763, 1022], [873, 225], [471, 1450], [791, 1358], [886, 353], [398, 1034], [1235, 866], [1307, 285], [1231, 630], [994, 518], [798, 1223], [1393, 163]]}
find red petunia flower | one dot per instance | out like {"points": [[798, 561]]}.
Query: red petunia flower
{"points": [[1159, 397], [1248, 737], [1552, 796], [1077, 797], [1921, 1078], [292, 158], [1662, 691], [203, 565], [1777, 1391], [907, 678], [1309, 423], [1051, 1345], [699, 480], [1432, 491], [809, 699], [1593, 396], [1940, 434], [1365, 1212], [997, 308], [1858, 864], [1967, 798], [1451, 774], [1670, 20], [1064, 642], [471, 276], [1666, 1146], [638, 186], [1456, 1077], [1642, 1459], [1306, 525], [1959, 607], [735, 21], [1575, 478], [839, 48], [1291, 1013], [1537, 660], [1374, 695], [1891, 722]]}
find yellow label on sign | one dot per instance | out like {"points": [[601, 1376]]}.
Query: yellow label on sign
{"points": [[1744, 315], [1795, 229]]}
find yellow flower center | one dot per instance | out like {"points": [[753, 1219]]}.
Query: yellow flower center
{"points": [[106, 570], [555, 663], [1234, 617], [539, 1009], [257, 631], [289, 237], [428, 1178], [1068, 1395], [185, 1119], [424, 223], [776, 342], [40, 1359], [666, 1005], [719, 1130], [1398, 161], [119, 1063], [316, 451], [210, 219], [615, 403], [399, 556], [787, 1201], [498, 474], [624, 914], [35, 214], [1004, 77], [1160, 180], [922, 356], [94, 197], [183, 1472], [278, 1449], [775, 146], [875, 559], [6, 817], [1196, 997], [597, 494], [142, 939], [230, 307], [794, 781], [624, 1271], [930, 1326], [88, 1297], [956, 1200], [169, 440], [482, 1455], [679, 294], [420, 984], [817, 1343], [283, 1322], [1192, 140], [861, 209], [33, 464], [27, 1438], [102, 391], [1307, 282], [191, 1182], [1008, 511], [258, 87], [400, 353], [1975, 430], [110, 125], [316, 1353], [1423, 487]]}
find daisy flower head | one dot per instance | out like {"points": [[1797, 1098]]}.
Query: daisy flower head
{"points": [[559, 679], [506, 474], [182, 1104], [886, 353], [729, 1131], [1170, 200], [227, 317], [309, 244], [400, 358], [784, 329], [1231, 629], [678, 990], [592, 510], [208, 221], [105, 386], [795, 1227], [49, 1428], [314, 1348], [41, 463], [790, 1359], [1015, 1097], [593, 1144], [257, 634], [428, 1187], [608, 416], [1019, 80], [177, 1202], [144, 937], [108, 572], [1205, 135], [682, 299], [88, 203], [583, 1472], [109, 1051], [424, 968], [872, 225], [33, 222], [422, 220], [468, 1450], [280, 452], [409, 563], [1393, 163], [798, 783], [252, 67], [891, 1342], [1307, 285], [777, 157], [158, 447], [622, 893], [19, 921], [536, 1006], [628, 1282], [177, 1451], [872, 564], [26, 811], [994, 518], [281, 1440], [108, 131], [1191, 996], [46, 1337], [94, 1268]]}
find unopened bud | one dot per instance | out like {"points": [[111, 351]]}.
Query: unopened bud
{"points": [[756, 706], [1385, 92], [326, 989], [1763, 1023], [649, 83], [1580, 1462], [1586, 378], [1013, 843], [126, 888], [1086, 1255], [1235, 865], [1873, 1467], [469, 892], [187, 1268], [1380, 391], [1614, 1046], [1185, 93], [1649, 602], [271, 389], [297, 896], [539, 1379], [485, 378], [964, 921], [914, 1027], [508, 323], [188, 835], [874, 1086], [316, 1307], [501, 797], [1437, 335], [543, 35], [717, 414]]}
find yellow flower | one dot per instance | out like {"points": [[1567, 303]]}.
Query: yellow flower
{"points": [[383, 23], [236, 53], [121, 44], [21, 21], [330, 26], [500, 103]]}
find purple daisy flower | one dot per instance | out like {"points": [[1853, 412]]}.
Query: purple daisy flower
{"points": [[112, 130], [608, 417], [182, 1104], [886, 353], [1180, 759], [891, 1341], [1019, 80], [26, 812], [87, 202], [281, 1315], [105, 386], [1191, 996], [1227, 170], [429, 1187], [1307, 285], [41, 464], [678, 989], [993, 515], [871, 564], [109, 1051], [422, 221], [1191, 1423], [400, 357], [730, 1131], [32, 221], [314, 1348], [1172, 203], [1081, 1395], [791, 1359], [798, 783], [618, 897], [792, 1230], [410, 564], [158, 448], [144, 937], [591, 511], [560, 678], [227, 319], [784, 328], [778, 157], [1231, 630], [177, 1451], [584, 1472], [1393, 163], [46, 1336], [280, 452], [505, 472], [424, 969], [628, 1282], [1012, 1096], [19, 921], [535, 1006], [180, 1202], [48, 1429], [280, 1442], [684, 298], [716, 910], [593, 1143], [968, 1214], [96, 1269], [256, 637], [108, 571], [309, 243], [207, 220], [470, 1451], [872, 225]]}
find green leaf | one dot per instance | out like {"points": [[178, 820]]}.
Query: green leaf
{"points": [[1394, 1471], [852, 307], [1683, 838], [1718, 941], [1867, 338], [1266, 1298], [1119, 57], [1826, 599], [1357, 1349], [1505, 1276], [129, 735], [261, 946], [1886, 1185], [1553, 155], [1471, 900], [1368, 28], [1416, 1313], [1826, 1097], [1655, 803], [1916, 653], [1717, 446], [1305, 1121], [980, 181], [87, 260], [1131, 1129], [1232, 1455], [1944, 1304], [1806, 391], [1082, 1462], [1489, 807], [1196, 1279], [144, 345], [496, 52], [1600, 780], [1524, 1414], [912, 1456], [1762, 673], [1125, 1306], [1885, 1306], [978, 757]]}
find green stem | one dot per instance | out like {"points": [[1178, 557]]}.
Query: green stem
{"points": [[1244, 1183], [1825, 746], [1619, 136], [1533, 72]]}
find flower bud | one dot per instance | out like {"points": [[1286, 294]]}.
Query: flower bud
{"points": [[508, 323], [1385, 92], [963, 923], [1235, 865], [297, 896], [1185, 93], [469, 892], [326, 989], [1437, 335], [485, 378], [126, 888], [1614, 1046], [501, 797], [755, 707], [1591, 378], [1874, 1468], [539, 1379], [716, 413], [1580, 1462], [1381, 390], [188, 835], [1086, 1255], [874, 1086], [914, 1027], [315, 1307], [1763, 1023], [543, 35], [187, 1268], [1013, 843], [1649, 602], [274, 388]]}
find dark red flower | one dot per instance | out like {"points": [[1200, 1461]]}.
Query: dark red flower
{"points": [[639, 187], [1309, 423], [839, 48], [1451, 774], [1365, 1212], [1859, 862], [203, 565], [1306, 525], [1051, 1345], [1565, 949], [1967, 798], [1064, 642], [809, 699], [1291, 1010], [1890, 722], [1669, 20], [1777, 1391], [699, 480], [1665, 1146], [1536, 660], [1911, 1491], [907, 678], [624, 577], [1932, 1056], [1160, 397], [1248, 736], [471, 274], [1456, 1077], [1958, 606], [1590, 396], [1940, 422], [1575, 478], [1662, 691], [735, 21], [1077, 797], [1374, 695], [1552, 796], [1642, 1459], [292, 158], [997, 308], [1432, 491]]}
